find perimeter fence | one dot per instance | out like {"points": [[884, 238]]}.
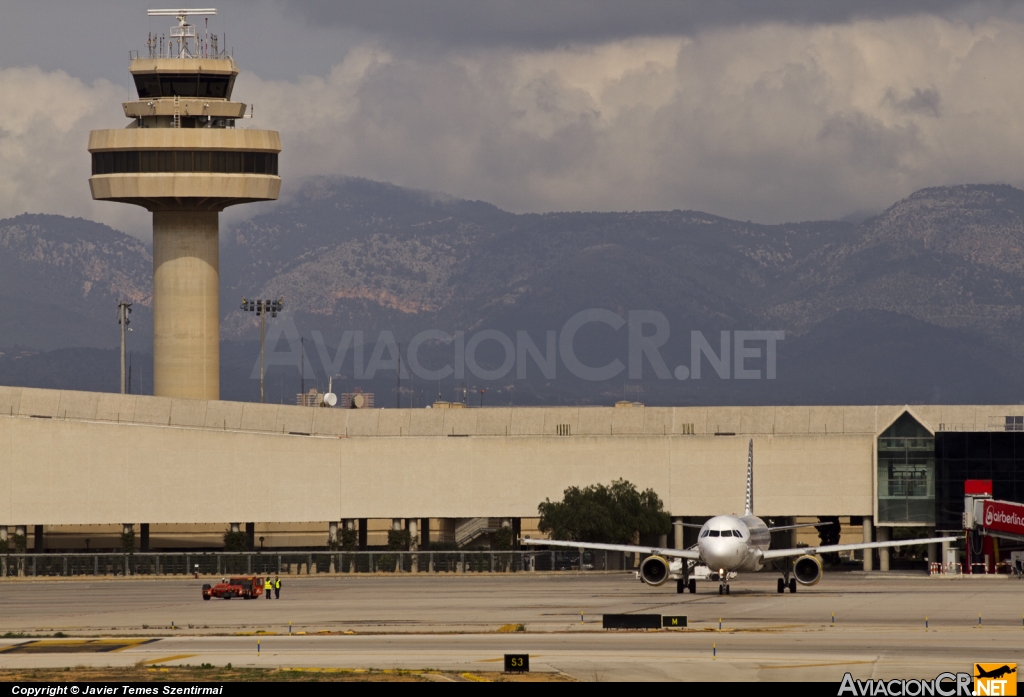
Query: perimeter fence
{"points": [[303, 563]]}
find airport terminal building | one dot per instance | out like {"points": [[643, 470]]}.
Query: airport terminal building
{"points": [[179, 469]]}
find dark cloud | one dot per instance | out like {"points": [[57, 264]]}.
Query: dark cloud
{"points": [[921, 101], [546, 23]]}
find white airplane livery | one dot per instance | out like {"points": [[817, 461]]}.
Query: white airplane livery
{"points": [[729, 544]]}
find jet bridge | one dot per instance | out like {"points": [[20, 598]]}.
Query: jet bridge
{"points": [[991, 524]]}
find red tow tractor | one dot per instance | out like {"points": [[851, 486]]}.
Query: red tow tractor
{"points": [[236, 587]]}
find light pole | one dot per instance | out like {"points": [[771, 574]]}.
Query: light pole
{"points": [[123, 310], [262, 308]]}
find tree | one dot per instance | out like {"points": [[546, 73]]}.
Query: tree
{"points": [[616, 514], [236, 541], [128, 541]]}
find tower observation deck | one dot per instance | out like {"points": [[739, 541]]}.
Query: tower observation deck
{"points": [[183, 158]]}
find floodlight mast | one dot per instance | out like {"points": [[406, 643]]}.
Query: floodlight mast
{"points": [[262, 308]]}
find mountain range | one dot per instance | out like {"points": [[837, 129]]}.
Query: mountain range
{"points": [[921, 303]]}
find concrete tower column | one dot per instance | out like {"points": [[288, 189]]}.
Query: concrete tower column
{"points": [[677, 529], [414, 543], [186, 304], [867, 536], [883, 535], [414, 539]]}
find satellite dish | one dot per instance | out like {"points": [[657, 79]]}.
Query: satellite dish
{"points": [[358, 401], [329, 399]]}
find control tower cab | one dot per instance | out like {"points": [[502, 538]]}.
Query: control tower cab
{"points": [[184, 158]]}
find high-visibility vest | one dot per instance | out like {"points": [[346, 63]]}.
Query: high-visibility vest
{"points": [[268, 585], [277, 584]]}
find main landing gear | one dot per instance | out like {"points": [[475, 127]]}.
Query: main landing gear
{"points": [[787, 580], [783, 584], [682, 585]]}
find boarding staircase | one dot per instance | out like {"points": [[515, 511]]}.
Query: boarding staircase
{"points": [[472, 528]]}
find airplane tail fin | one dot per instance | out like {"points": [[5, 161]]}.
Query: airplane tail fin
{"points": [[749, 508]]}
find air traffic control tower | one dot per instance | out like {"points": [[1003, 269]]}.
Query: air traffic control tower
{"points": [[184, 158]]}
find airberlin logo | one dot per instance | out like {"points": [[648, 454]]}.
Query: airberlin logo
{"points": [[994, 516]]}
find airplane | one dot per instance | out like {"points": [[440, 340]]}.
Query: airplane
{"points": [[732, 544], [995, 674]]}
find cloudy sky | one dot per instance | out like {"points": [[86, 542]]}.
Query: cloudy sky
{"points": [[767, 110]]}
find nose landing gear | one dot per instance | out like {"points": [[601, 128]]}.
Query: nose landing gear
{"points": [[723, 588]]}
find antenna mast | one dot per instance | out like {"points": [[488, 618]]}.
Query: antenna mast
{"points": [[184, 32]]}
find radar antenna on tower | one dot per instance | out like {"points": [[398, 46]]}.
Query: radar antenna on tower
{"points": [[184, 34]]}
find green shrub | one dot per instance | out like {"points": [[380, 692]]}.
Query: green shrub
{"points": [[236, 541], [399, 540], [503, 539]]}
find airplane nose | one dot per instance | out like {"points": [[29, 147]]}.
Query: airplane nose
{"points": [[719, 554], [714, 555]]}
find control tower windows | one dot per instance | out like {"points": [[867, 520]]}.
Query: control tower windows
{"points": [[219, 161], [153, 85]]}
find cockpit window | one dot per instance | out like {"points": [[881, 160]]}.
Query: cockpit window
{"points": [[712, 533], [727, 533], [737, 533], [705, 533]]}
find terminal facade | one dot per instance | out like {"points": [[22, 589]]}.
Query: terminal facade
{"points": [[176, 469]]}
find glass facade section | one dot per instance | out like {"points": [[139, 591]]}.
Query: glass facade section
{"points": [[906, 474], [131, 161], [959, 456]]}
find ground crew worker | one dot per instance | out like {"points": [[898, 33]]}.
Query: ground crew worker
{"points": [[267, 587], [277, 587]]}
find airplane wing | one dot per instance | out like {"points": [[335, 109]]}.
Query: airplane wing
{"points": [[663, 552], [823, 549], [799, 525]]}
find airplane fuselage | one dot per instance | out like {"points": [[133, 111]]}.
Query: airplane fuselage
{"points": [[733, 543]]}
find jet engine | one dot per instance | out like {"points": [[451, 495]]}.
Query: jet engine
{"points": [[654, 571], [807, 570]]}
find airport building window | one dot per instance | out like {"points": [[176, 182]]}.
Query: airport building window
{"points": [[906, 473], [960, 455], [231, 162]]}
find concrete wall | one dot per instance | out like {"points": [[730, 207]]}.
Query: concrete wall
{"points": [[72, 458]]}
